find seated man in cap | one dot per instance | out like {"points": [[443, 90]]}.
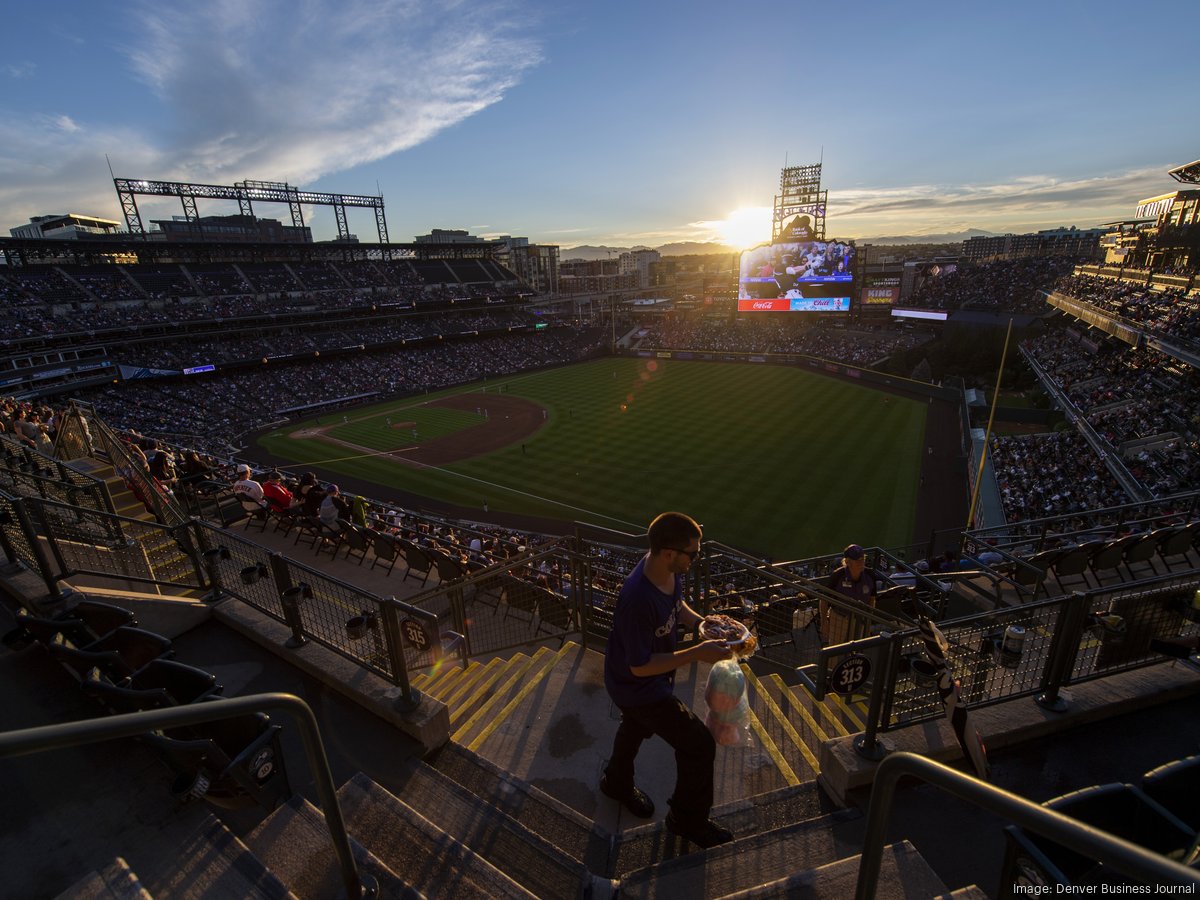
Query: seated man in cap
{"points": [[858, 584], [247, 487]]}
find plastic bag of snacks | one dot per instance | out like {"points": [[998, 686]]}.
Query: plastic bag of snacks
{"points": [[728, 710]]}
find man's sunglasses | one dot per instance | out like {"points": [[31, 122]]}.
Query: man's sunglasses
{"points": [[691, 554]]}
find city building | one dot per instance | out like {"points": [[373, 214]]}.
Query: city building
{"points": [[69, 227], [639, 262]]}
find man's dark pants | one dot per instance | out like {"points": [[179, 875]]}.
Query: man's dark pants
{"points": [[694, 748]]}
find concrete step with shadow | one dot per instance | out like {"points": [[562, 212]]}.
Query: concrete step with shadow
{"points": [[572, 833], [436, 857], [294, 843], [775, 834], [116, 881], [903, 875], [213, 862]]}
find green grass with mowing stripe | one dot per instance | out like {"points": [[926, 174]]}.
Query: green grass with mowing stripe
{"points": [[777, 460]]}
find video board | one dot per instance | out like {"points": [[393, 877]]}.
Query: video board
{"points": [[796, 276], [880, 291]]}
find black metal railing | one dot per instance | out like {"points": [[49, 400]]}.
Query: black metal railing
{"points": [[73, 734], [1121, 855]]}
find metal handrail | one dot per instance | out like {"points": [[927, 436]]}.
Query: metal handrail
{"points": [[1125, 857], [90, 731]]}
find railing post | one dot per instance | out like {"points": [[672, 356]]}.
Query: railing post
{"points": [[867, 745], [290, 600], [1061, 655], [183, 535], [408, 699], [212, 560]]}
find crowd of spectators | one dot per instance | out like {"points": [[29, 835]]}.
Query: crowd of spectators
{"points": [[862, 346], [282, 341], [211, 410], [50, 301], [1172, 313], [1050, 475], [1141, 403], [1005, 285]]}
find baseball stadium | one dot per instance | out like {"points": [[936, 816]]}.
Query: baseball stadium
{"points": [[315, 552]]}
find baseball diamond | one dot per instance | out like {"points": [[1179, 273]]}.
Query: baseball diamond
{"points": [[749, 448]]}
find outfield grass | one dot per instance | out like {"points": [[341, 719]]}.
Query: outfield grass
{"points": [[773, 459]]}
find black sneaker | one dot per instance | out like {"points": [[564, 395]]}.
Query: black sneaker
{"points": [[637, 802], [705, 834]]}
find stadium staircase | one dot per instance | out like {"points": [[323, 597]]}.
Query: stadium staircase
{"points": [[462, 824]]}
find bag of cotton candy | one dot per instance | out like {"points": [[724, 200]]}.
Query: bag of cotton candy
{"points": [[728, 710]]}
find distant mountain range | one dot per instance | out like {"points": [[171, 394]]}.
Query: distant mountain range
{"points": [[684, 248]]}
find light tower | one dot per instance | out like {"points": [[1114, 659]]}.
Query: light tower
{"points": [[799, 205]]}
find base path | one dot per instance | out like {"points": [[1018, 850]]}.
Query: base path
{"points": [[509, 420]]}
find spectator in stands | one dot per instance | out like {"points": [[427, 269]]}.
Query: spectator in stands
{"points": [[333, 508], [639, 673], [274, 492], [245, 486], [858, 584], [195, 469]]}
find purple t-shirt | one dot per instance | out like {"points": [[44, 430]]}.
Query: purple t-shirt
{"points": [[643, 624]]}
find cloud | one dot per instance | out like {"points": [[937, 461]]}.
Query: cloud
{"points": [[275, 90], [292, 91], [20, 70], [1027, 202]]}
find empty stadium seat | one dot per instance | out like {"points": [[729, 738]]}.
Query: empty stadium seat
{"points": [[231, 763], [118, 654], [386, 551]]}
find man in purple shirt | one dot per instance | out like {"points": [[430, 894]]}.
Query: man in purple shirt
{"points": [[639, 673]]}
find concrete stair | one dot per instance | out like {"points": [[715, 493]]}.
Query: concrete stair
{"points": [[213, 862], [294, 843], [116, 881], [484, 695]]}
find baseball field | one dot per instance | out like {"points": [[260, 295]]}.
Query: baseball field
{"points": [[772, 459]]}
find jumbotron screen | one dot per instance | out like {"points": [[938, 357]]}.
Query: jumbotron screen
{"points": [[808, 276]]}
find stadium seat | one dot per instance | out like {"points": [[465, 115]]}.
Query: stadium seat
{"points": [[1073, 561], [285, 519], [386, 551], [84, 623], [555, 612], [1176, 786], [330, 538], [308, 531], [1140, 550], [448, 568], [356, 540], [256, 514], [118, 654], [159, 684], [1177, 543], [1106, 557], [232, 763], [419, 563]]}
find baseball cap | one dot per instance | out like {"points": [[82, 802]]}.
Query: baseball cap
{"points": [[854, 551], [242, 467]]}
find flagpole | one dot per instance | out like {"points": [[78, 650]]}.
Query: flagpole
{"points": [[987, 437]]}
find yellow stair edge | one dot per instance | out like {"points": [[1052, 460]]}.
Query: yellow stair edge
{"points": [[469, 676], [481, 689], [784, 722], [516, 701], [517, 673], [468, 684], [769, 745], [800, 708]]}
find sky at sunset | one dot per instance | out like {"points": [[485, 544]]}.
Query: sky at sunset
{"points": [[615, 123]]}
